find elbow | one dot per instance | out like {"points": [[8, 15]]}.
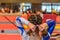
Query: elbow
{"points": [[51, 22]]}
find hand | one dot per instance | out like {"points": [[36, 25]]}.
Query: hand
{"points": [[31, 26], [42, 26]]}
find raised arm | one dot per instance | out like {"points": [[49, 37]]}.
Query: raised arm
{"points": [[51, 25], [24, 21]]}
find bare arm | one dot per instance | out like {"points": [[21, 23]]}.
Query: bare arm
{"points": [[24, 21]]}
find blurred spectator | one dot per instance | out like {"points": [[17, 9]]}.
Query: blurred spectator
{"points": [[15, 9], [3, 10], [44, 12], [11, 11], [7, 10], [54, 12]]}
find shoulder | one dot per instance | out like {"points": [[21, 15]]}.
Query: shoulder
{"points": [[19, 18]]}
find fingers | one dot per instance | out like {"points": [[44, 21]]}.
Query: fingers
{"points": [[42, 26], [31, 26]]}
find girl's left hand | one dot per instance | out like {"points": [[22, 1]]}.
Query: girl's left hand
{"points": [[42, 26]]}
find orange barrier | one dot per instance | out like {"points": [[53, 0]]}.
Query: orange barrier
{"points": [[8, 26], [58, 19], [10, 37], [11, 18]]}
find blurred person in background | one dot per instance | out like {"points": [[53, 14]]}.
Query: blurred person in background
{"points": [[3, 10], [44, 11], [7, 10], [11, 10], [54, 11]]}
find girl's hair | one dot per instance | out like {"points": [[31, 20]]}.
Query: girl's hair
{"points": [[37, 21], [30, 32]]}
